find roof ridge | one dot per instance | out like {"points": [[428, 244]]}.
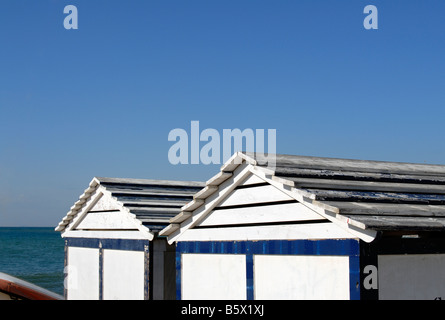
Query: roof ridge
{"points": [[187, 188]]}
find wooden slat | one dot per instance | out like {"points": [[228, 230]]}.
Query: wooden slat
{"points": [[175, 200], [155, 192], [367, 185], [155, 218], [205, 192], [170, 228], [146, 220], [182, 216], [261, 194], [106, 234], [192, 205], [219, 178], [332, 195], [106, 220], [398, 223], [388, 209], [154, 203], [166, 183], [236, 160], [154, 215], [273, 232], [355, 175], [147, 210], [261, 214], [252, 179], [353, 165]]}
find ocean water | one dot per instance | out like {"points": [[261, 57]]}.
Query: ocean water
{"points": [[33, 254]]}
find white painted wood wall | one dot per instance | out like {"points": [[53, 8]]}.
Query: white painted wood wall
{"points": [[82, 281], [294, 277], [236, 217], [276, 277], [213, 277], [123, 274], [105, 214]]}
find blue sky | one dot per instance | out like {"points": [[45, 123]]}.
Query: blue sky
{"points": [[101, 100]]}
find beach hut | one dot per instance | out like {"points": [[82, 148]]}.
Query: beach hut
{"points": [[313, 228], [112, 248]]}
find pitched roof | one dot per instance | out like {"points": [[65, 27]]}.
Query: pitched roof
{"points": [[151, 202], [370, 195]]}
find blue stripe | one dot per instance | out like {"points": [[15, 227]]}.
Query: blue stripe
{"points": [[354, 277], [178, 274], [249, 277], [116, 244], [348, 247]]}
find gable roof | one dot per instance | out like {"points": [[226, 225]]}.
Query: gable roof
{"points": [[365, 195], [152, 203]]}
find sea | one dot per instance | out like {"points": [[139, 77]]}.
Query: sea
{"points": [[33, 254]]}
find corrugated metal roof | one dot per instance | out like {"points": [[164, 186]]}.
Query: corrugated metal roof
{"points": [[152, 202]]}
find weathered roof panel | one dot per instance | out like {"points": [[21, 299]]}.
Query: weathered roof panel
{"points": [[352, 165], [392, 195]]}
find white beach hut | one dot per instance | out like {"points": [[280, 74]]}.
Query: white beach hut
{"points": [[313, 228], [112, 248]]}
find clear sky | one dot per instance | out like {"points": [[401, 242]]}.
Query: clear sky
{"points": [[101, 100]]}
